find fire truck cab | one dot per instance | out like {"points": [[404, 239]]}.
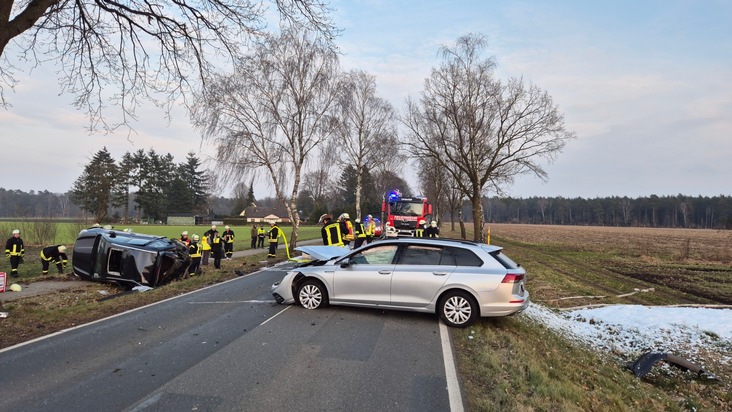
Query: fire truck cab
{"points": [[402, 214]]}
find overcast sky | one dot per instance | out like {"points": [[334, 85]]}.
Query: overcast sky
{"points": [[646, 85]]}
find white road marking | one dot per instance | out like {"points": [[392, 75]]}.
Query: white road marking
{"points": [[453, 386]]}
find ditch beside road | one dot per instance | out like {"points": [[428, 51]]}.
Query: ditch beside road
{"points": [[42, 287]]}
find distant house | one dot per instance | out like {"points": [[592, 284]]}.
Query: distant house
{"points": [[254, 214]]}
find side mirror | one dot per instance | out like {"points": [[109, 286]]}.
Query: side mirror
{"points": [[345, 263]]}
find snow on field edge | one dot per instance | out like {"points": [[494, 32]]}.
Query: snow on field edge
{"points": [[633, 329]]}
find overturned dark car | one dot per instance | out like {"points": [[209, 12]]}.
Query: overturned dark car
{"points": [[129, 259]]}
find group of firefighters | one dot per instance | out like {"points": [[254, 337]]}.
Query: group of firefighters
{"points": [[342, 231], [15, 253], [213, 244]]}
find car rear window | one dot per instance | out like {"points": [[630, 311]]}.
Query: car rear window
{"points": [[461, 257], [504, 260]]}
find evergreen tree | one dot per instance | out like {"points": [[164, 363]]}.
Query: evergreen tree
{"points": [[370, 197], [98, 186], [157, 172], [197, 181]]}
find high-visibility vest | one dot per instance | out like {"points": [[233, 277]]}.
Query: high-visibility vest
{"points": [[194, 250], [333, 230], [349, 232], [360, 231], [204, 243], [370, 228], [274, 233], [14, 247]]}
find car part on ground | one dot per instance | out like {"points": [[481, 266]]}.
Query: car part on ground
{"points": [[129, 259], [458, 280], [646, 361]]}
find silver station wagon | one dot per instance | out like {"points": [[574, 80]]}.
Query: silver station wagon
{"points": [[459, 280]]}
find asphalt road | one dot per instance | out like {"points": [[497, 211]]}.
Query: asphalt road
{"points": [[231, 348]]}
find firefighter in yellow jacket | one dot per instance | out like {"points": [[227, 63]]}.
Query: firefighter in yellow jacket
{"points": [[195, 250], [274, 235], [228, 238], [15, 251], [331, 231], [55, 254]]}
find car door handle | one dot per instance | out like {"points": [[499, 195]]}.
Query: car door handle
{"points": [[439, 273], [385, 272]]}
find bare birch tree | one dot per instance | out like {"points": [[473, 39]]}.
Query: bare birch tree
{"points": [[271, 114], [320, 178], [367, 131], [483, 131], [156, 50]]}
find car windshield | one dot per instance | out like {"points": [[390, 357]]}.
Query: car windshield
{"points": [[406, 209], [377, 255]]}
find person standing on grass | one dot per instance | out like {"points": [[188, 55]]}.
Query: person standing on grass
{"points": [[260, 237], [209, 233], [55, 254], [228, 238], [205, 250], [15, 251], [217, 249], [194, 251], [253, 233]]}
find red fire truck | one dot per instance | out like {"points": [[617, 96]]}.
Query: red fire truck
{"points": [[402, 214]]}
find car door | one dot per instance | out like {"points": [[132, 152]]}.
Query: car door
{"points": [[365, 277], [420, 272]]}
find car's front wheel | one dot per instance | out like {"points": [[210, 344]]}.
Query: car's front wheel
{"points": [[458, 309], [312, 294]]}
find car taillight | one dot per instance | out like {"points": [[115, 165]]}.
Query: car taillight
{"points": [[513, 278]]}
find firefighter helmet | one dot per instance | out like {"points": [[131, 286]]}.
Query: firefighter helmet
{"points": [[62, 249], [16, 232], [325, 217], [185, 233], [195, 238]]}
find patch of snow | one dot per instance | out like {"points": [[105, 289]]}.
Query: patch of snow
{"points": [[633, 329]]}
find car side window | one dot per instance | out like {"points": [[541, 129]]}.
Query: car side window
{"points": [[461, 257], [421, 255], [377, 255]]}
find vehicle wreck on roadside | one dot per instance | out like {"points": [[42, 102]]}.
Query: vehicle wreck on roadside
{"points": [[129, 259]]}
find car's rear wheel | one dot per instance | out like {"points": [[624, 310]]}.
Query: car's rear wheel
{"points": [[312, 294], [458, 309]]}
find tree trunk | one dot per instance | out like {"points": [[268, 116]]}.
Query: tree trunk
{"points": [[359, 183], [478, 234], [463, 234]]}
